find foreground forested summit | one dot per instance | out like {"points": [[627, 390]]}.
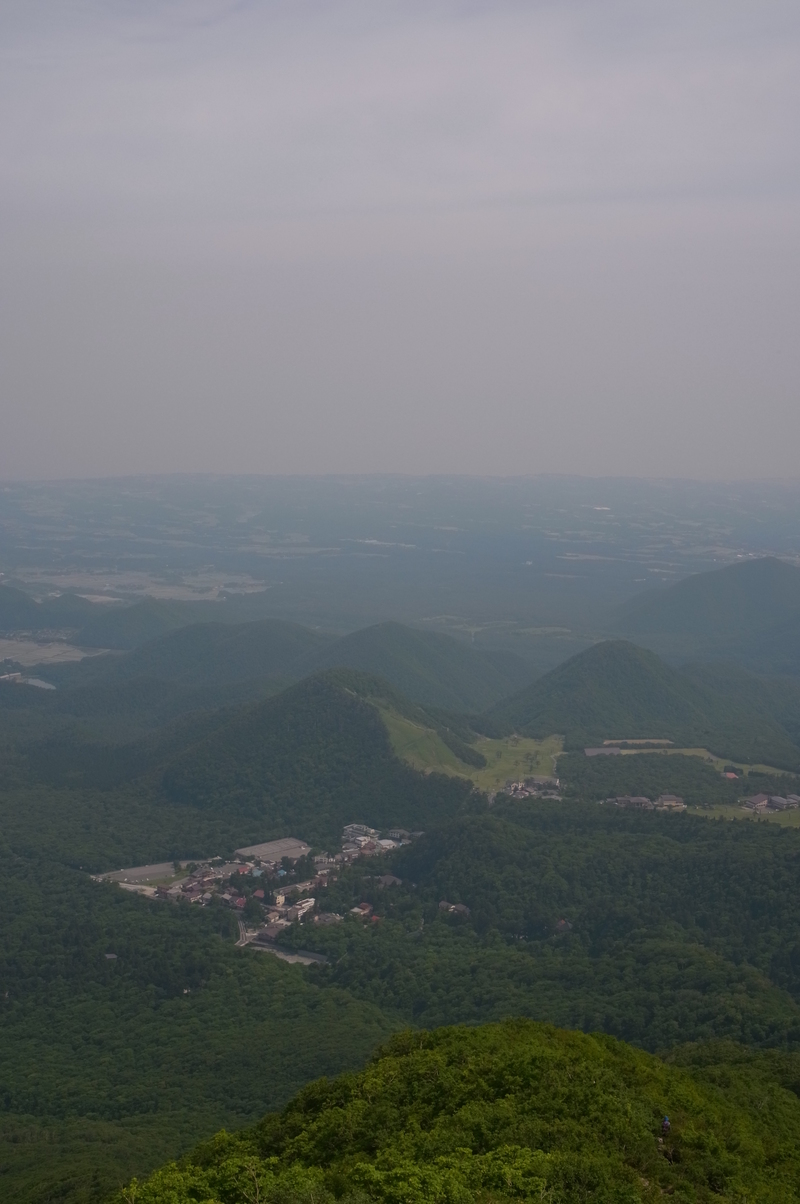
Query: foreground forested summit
{"points": [[512, 1111]]}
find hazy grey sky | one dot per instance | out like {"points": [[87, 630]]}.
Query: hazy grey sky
{"points": [[344, 236]]}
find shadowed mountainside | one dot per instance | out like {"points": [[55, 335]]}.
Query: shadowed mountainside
{"points": [[427, 667], [747, 612]]}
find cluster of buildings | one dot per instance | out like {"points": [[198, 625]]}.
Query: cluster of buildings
{"points": [[360, 841], [268, 875], [638, 802], [262, 868], [533, 787], [772, 802]]}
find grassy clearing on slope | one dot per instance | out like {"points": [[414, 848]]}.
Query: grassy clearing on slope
{"points": [[515, 757], [512, 757], [718, 763], [422, 747]]}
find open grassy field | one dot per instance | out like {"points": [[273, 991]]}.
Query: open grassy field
{"points": [[784, 819], [718, 763], [515, 757], [421, 747], [512, 757]]}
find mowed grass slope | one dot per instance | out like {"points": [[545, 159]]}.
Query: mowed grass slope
{"points": [[508, 758]]}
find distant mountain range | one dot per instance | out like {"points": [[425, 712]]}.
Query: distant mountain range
{"points": [[748, 612], [198, 660], [616, 689]]}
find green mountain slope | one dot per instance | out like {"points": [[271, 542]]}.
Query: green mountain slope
{"points": [[17, 610], [732, 603], [89, 624], [304, 762], [749, 612], [313, 758], [678, 929], [505, 1112], [112, 1065], [617, 690], [198, 666], [218, 653], [127, 626], [429, 668], [20, 612]]}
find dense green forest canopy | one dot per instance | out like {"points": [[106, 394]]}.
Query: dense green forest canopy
{"points": [[677, 928], [616, 690], [731, 603], [657, 929], [748, 612], [429, 667], [304, 763], [651, 774], [313, 757], [108, 1064], [513, 1111], [203, 653]]}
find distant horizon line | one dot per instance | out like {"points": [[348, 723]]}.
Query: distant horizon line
{"points": [[7, 482]]}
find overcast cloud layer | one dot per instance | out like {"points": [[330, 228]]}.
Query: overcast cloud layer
{"points": [[357, 237]]}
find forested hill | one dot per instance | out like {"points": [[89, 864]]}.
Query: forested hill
{"points": [[213, 653], [616, 690], [748, 612], [508, 1112], [428, 667], [90, 624], [734, 602], [19, 611], [305, 762], [312, 759]]}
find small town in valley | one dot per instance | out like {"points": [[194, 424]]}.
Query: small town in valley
{"points": [[270, 886]]}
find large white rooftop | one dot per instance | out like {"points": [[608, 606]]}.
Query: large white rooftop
{"points": [[276, 850]]}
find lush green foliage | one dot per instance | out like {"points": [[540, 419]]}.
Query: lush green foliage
{"points": [[729, 603], [519, 1111], [202, 653], [19, 611], [315, 758], [681, 928], [616, 690], [429, 668], [749, 612], [109, 1065], [652, 774], [128, 626]]}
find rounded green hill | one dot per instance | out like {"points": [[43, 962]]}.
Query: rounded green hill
{"points": [[511, 1111]]}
